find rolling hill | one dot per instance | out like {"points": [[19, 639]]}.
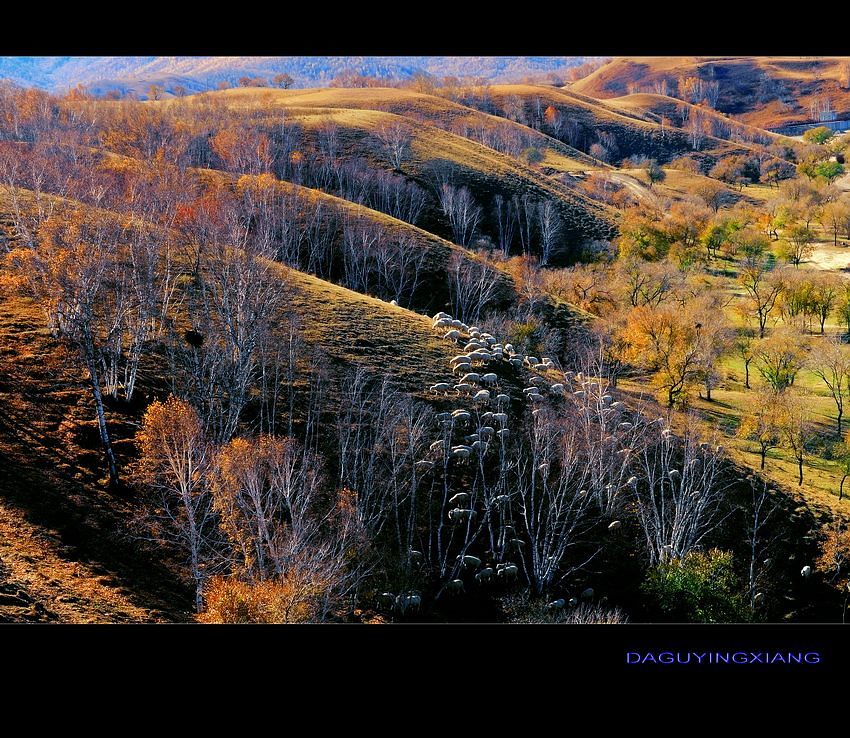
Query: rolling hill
{"points": [[485, 171], [767, 92]]}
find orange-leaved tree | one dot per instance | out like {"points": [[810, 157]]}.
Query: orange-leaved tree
{"points": [[174, 460]]}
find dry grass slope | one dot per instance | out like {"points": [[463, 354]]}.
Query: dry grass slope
{"points": [[767, 92]]}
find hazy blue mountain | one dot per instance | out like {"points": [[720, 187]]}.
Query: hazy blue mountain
{"points": [[101, 73]]}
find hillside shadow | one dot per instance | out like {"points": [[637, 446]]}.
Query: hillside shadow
{"points": [[47, 483]]}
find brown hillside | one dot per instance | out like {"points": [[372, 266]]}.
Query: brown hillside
{"points": [[632, 133], [762, 91]]}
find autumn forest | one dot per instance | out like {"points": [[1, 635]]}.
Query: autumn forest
{"points": [[569, 347]]}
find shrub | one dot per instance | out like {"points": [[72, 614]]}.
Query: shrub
{"points": [[533, 155], [701, 587], [230, 600]]}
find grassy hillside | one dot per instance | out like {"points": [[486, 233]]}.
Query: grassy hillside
{"points": [[439, 111], [485, 171], [762, 91], [627, 131], [655, 108], [68, 548]]}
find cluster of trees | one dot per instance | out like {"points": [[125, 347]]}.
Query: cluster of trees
{"points": [[294, 492], [273, 531]]}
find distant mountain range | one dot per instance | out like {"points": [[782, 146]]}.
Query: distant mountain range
{"points": [[196, 73]]}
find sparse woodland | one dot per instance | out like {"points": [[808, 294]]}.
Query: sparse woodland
{"points": [[449, 351]]}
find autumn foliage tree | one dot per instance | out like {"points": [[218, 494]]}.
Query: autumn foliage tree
{"points": [[174, 460], [672, 343]]}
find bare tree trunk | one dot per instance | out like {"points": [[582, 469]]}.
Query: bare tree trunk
{"points": [[94, 382]]}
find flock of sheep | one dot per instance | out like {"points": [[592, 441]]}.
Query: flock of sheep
{"points": [[478, 383]]}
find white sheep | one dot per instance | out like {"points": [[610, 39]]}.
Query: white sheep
{"points": [[461, 515], [614, 525], [557, 604], [461, 498], [531, 360], [424, 466], [502, 399], [625, 426], [539, 381], [501, 500], [463, 388], [535, 398], [516, 362], [455, 585], [486, 432], [394, 303], [441, 323], [481, 396], [457, 324], [540, 367], [557, 389], [460, 359], [461, 368], [461, 452], [489, 378], [485, 575], [461, 415], [806, 572], [471, 377], [410, 601], [472, 346], [579, 395], [487, 417], [469, 561], [501, 418], [508, 571], [441, 315], [530, 391], [444, 387], [452, 335], [503, 434], [437, 445]]}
